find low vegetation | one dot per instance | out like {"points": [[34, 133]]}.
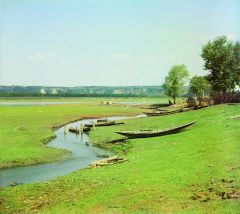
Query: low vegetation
{"points": [[195, 171], [26, 129]]}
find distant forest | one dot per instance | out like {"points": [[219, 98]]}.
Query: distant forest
{"points": [[82, 91]]}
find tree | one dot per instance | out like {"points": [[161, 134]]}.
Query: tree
{"points": [[222, 60], [236, 72], [199, 85], [175, 81]]}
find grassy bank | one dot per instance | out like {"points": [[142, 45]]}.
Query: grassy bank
{"points": [[183, 173], [26, 129]]}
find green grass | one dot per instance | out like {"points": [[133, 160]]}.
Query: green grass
{"points": [[162, 174], [25, 129]]}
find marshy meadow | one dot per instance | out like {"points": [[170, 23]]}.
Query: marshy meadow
{"points": [[120, 107]]}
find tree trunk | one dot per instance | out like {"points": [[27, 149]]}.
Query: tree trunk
{"points": [[174, 100]]}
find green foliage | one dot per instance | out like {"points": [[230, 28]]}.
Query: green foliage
{"points": [[236, 73], [175, 81], [222, 60], [199, 85], [81, 91]]}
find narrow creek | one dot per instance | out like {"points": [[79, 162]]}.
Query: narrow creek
{"points": [[82, 154]]}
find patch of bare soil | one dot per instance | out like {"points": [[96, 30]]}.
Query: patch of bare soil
{"points": [[222, 189]]}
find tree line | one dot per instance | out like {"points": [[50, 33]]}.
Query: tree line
{"points": [[222, 63]]}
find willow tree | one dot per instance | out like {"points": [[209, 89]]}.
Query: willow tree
{"points": [[174, 84], [199, 85]]}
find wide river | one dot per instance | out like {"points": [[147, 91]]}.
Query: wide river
{"points": [[82, 154]]}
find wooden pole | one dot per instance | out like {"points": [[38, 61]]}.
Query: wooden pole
{"points": [[81, 128]]}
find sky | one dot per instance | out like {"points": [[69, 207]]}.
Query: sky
{"points": [[108, 42]]}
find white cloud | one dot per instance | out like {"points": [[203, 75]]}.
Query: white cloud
{"points": [[41, 56]]}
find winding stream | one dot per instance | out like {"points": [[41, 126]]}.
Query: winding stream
{"points": [[82, 155]]}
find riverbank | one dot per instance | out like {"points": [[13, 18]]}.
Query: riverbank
{"points": [[92, 100], [182, 173], [26, 130]]}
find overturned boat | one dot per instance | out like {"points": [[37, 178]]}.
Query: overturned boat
{"points": [[155, 133]]}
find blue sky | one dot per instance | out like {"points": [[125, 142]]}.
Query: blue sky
{"points": [[108, 42]]}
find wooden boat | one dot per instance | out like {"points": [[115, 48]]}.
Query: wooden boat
{"points": [[109, 123], [188, 109], [76, 130], [156, 106], [163, 113], [102, 120], [145, 134], [199, 107], [160, 105], [86, 129], [107, 161], [160, 109]]}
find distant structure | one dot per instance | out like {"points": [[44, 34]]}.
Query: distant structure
{"points": [[54, 92], [42, 91], [106, 102], [118, 91]]}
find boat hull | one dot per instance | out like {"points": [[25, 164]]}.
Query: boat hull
{"points": [[147, 134], [150, 114], [104, 124]]}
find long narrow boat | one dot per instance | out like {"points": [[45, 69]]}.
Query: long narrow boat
{"points": [[86, 129], [161, 110], [102, 120], [145, 134], [199, 107], [163, 113], [156, 106], [76, 130], [109, 123]]}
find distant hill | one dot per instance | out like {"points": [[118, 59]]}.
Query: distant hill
{"points": [[82, 91]]}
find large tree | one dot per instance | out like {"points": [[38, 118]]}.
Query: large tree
{"points": [[222, 60], [174, 84], [199, 85], [236, 72]]}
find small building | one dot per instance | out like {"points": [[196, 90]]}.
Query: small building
{"points": [[106, 102], [54, 92], [42, 91]]}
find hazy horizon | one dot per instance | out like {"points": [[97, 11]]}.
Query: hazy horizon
{"points": [[84, 86], [74, 43]]}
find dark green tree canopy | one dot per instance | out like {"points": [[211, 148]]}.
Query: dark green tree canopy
{"points": [[199, 85], [222, 60], [175, 81]]}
